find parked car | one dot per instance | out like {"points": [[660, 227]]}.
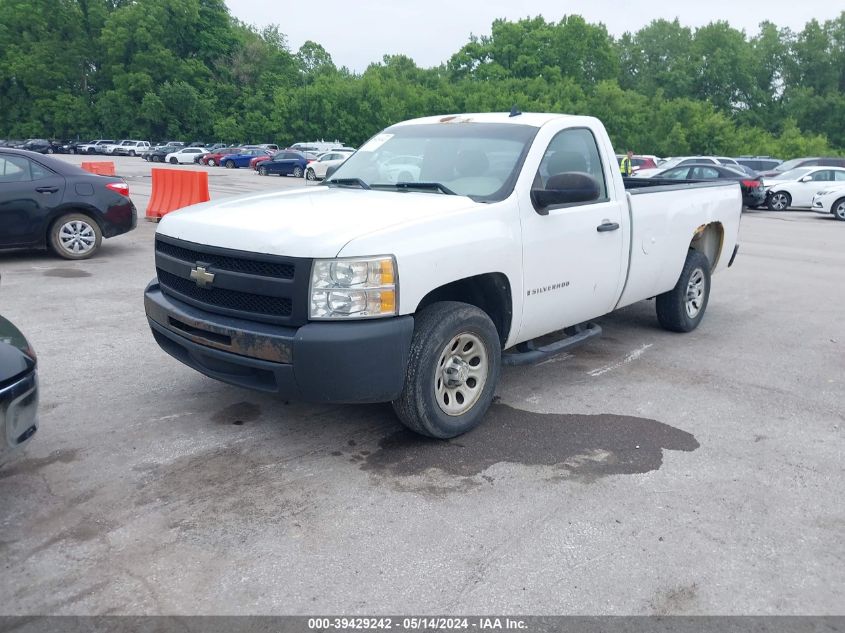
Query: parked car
{"points": [[316, 169], [795, 163], [831, 200], [213, 158], [186, 155], [401, 168], [638, 162], [753, 191], [519, 227], [255, 163], [72, 147], [13, 143], [42, 146], [46, 202], [316, 146], [159, 154], [18, 389], [285, 163], [241, 159], [678, 161], [93, 147], [797, 187], [759, 163], [131, 148]]}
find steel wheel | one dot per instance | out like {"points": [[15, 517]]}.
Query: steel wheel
{"points": [[297, 172], [77, 237], [461, 374], [780, 201], [839, 209], [695, 293]]}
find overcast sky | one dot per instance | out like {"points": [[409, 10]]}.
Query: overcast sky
{"points": [[358, 32]]}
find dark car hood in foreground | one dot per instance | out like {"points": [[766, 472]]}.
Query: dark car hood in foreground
{"points": [[16, 355]]}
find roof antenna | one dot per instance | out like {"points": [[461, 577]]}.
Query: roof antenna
{"points": [[514, 111]]}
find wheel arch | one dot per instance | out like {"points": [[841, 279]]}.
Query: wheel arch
{"points": [[709, 240], [490, 292]]}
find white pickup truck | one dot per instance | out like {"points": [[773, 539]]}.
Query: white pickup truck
{"points": [[415, 291]]}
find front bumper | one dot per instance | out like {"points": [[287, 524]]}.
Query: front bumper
{"points": [[350, 362], [18, 412]]}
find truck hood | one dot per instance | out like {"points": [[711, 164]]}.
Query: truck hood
{"points": [[309, 222]]}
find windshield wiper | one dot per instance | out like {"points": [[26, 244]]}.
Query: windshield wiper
{"points": [[427, 186], [346, 182]]}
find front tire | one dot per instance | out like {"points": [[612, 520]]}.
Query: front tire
{"points": [[297, 172], [310, 175], [838, 209], [211, 162], [780, 201], [75, 236], [453, 368], [174, 161], [682, 308], [262, 171], [229, 164], [132, 153]]}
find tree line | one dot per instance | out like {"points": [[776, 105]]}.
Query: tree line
{"points": [[187, 69]]}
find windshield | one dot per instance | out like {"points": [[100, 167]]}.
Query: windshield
{"points": [[479, 160], [795, 174], [790, 164]]}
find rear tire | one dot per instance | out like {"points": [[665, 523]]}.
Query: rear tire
{"points": [[682, 308], [838, 209], [453, 368], [211, 162], [75, 236], [779, 201]]}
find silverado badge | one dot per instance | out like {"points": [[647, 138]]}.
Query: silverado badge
{"points": [[202, 276]]}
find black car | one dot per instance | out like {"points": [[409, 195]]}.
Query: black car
{"points": [[759, 163], [795, 163], [158, 154], [753, 194], [46, 202], [42, 146], [18, 389]]}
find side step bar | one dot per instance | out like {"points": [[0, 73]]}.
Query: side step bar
{"points": [[529, 353]]}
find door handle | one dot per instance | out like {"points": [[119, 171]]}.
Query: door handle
{"points": [[46, 189], [607, 226]]}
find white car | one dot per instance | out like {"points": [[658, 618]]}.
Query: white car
{"points": [[130, 148], [109, 149], [186, 155], [316, 169], [94, 147], [401, 168], [797, 187], [831, 200]]}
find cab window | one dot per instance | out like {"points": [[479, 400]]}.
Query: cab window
{"points": [[572, 150]]}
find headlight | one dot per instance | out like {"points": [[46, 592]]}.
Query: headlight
{"points": [[355, 288]]}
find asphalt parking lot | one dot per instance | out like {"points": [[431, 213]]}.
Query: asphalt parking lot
{"points": [[646, 473]]}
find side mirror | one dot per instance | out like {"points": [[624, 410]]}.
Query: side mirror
{"points": [[566, 188], [806, 179], [331, 170]]}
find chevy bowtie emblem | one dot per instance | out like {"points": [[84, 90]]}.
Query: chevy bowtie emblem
{"points": [[202, 276]]}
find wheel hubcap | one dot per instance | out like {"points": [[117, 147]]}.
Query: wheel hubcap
{"points": [[461, 374], [840, 211], [695, 293], [779, 202], [77, 237]]}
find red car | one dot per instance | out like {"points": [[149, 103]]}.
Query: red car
{"points": [[255, 162], [214, 158]]}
